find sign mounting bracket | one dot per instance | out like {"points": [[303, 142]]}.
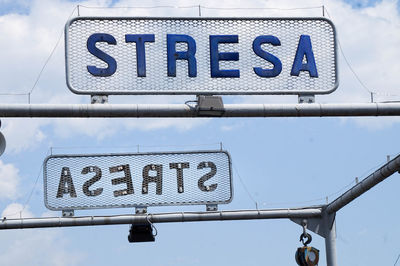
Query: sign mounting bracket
{"points": [[308, 98], [141, 210], [67, 213], [98, 99], [210, 105], [212, 207]]}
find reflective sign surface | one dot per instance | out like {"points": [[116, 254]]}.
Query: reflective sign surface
{"points": [[141, 179], [200, 56]]}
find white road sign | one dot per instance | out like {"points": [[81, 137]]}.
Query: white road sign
{"points": [[200, 55], [137, 180]]}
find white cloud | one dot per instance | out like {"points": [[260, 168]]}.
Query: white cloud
{"points": [[23, 134], [50, 247], [16, 211], [16, 2], [97, 128], [232, 126], [182, 124], [38, 247], [9, 181], [102, 128], [369, 44]]}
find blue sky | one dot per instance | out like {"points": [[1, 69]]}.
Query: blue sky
{"points": [[359, 4], [283, 162]]}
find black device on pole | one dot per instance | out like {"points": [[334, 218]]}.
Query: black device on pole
{"points": [[142, 232], [2, 142]]}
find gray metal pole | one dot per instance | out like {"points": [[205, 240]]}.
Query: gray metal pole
{"points": [[159, 218], [330, 246], [378, 176], [183, 110]]}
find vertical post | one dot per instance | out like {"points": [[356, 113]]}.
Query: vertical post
{"points": [[330, 245]]}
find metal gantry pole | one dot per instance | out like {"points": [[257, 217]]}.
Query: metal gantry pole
{"points": [[357, 190], [370, 181], [184, 110], [159, 218], [330, 246]]}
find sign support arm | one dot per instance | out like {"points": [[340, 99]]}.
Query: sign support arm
{"points": [[185, 110], [159, 218], [357, 190]]}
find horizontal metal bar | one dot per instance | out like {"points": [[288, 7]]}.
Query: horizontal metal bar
{"points": [[367, 183], [159, 218], [184, 110]]}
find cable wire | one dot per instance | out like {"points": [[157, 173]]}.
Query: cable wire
{"points": [[354, 72], [137, 7], [242, 183], [31, 192], [204, 7], [261, 8], [136, 146], [49, 57], [151, 224], [347, 61], [398, 257], [352, 183]]}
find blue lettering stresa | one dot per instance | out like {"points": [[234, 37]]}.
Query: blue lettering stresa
{"points": [[216, 56], [304, 48], [140, 39], [276, 70], [173, 55], [91, 46]]}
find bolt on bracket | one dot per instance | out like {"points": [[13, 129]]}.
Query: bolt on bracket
{"points": [[306, 98], [98, 99], [67, 213]]}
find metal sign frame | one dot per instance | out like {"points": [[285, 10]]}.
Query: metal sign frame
{"points": [[129, 201], [205, 90]]}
